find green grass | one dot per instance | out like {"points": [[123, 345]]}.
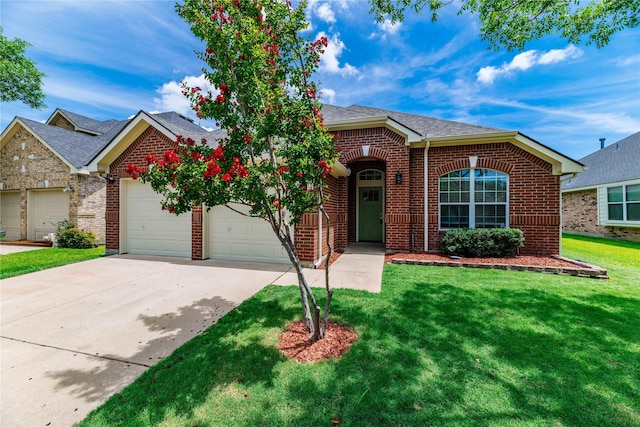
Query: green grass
{"points": [[19, 263], [438, 346]]}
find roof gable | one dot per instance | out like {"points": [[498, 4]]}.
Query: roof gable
{"points": [[615, 163], [82, 123], [74, 148], [169, 124], [421, 131]]}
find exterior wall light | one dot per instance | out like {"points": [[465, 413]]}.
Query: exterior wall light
{"points": [[398, 177]]}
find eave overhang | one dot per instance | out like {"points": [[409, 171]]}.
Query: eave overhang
{"points": [[409, 135], [122, 141], [560, 163]]}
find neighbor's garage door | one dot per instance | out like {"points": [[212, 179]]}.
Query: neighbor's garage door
{"points": [[148, 229], [237, 237], [46, 209], [10, 215]]}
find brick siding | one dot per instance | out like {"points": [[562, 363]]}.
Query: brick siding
{"points": [[534, 192], [580, 216]]}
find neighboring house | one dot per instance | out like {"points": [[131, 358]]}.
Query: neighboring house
{"points": [[605, 199], [44, 176], [401, 180]]}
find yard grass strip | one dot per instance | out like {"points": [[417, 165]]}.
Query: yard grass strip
{"points": [[25, 262], [437, 346]]}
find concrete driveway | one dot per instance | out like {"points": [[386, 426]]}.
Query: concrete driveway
{"points": [[74, 335]]}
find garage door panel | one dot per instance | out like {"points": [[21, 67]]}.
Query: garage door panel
{"points": [[149, 229], [10, 215], [237, 237], [47, 209]]}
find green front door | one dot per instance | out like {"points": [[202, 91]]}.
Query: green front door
{"points": [[370, 214]]}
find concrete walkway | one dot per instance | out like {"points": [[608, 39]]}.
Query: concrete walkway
{"points": [[72, 336], [359, 267]]}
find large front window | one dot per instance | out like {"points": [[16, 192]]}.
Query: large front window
{"points": [[623, 203], [473, 198]]}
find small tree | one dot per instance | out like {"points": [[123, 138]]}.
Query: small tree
{"points": [[277, 152], [20, 80]]}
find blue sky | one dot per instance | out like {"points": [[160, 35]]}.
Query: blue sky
{"points": [[110, 59]]}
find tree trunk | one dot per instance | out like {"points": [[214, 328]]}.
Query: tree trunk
{"points": [[306, 294], [327, 261]]}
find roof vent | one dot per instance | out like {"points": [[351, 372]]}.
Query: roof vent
{"points": [[186, 118], [602, 140]]}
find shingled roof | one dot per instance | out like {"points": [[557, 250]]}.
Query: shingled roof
{"points": [[619, 161], [86, 123], [425, 126], [74, 147], [80, 148]]}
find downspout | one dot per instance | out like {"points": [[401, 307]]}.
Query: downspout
{"points": [[426, 195], [561, 219], [320, 256], [566, 178]]}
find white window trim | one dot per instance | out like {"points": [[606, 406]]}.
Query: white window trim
{"points": [[472, 202], [603, 204]]}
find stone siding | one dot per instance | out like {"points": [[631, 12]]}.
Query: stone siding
{"points": [[26, 164]]}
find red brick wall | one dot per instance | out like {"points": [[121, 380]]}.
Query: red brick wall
{"points": [[151, 141], [534, 193], [306, 233], [389, 154]]}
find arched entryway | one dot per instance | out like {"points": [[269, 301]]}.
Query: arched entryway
{"points": [[370, 203]]}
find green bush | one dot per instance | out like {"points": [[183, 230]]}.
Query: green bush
{"points": [[67, 236], [489, 242]]}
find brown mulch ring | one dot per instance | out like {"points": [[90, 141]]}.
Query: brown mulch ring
{"points": [[545, 264], [295, 343]]}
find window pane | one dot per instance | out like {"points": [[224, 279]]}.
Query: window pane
{"points": [[491, 216], [615, 212], [633, 193], [633, 212], [614, 194], [454, 216], [501, 196]]}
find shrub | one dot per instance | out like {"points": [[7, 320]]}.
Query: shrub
{"points": [[490, 242], [67, 236]]}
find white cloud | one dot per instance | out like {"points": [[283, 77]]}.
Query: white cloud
{"points": [[172, 99], [329, 61], [329, 95], [559, 55], [325, 13], [388, 27], [526, 60]]}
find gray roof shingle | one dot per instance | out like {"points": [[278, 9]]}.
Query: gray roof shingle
{"points": [[75, 147], [617, 162], [420, 124], [88, 123]]}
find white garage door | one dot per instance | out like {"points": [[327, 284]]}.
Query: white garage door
{"points": [[10, 215], [46, 209], [148, 229], [237, 237]]}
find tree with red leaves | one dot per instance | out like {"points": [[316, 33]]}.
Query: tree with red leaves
{"points": [[277, 151]]}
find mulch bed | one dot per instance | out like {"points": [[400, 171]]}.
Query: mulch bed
{"points": [[295, 343], [543, 264]]}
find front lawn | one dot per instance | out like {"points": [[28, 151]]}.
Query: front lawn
{"points": [[438, 346], [19, 263]]}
